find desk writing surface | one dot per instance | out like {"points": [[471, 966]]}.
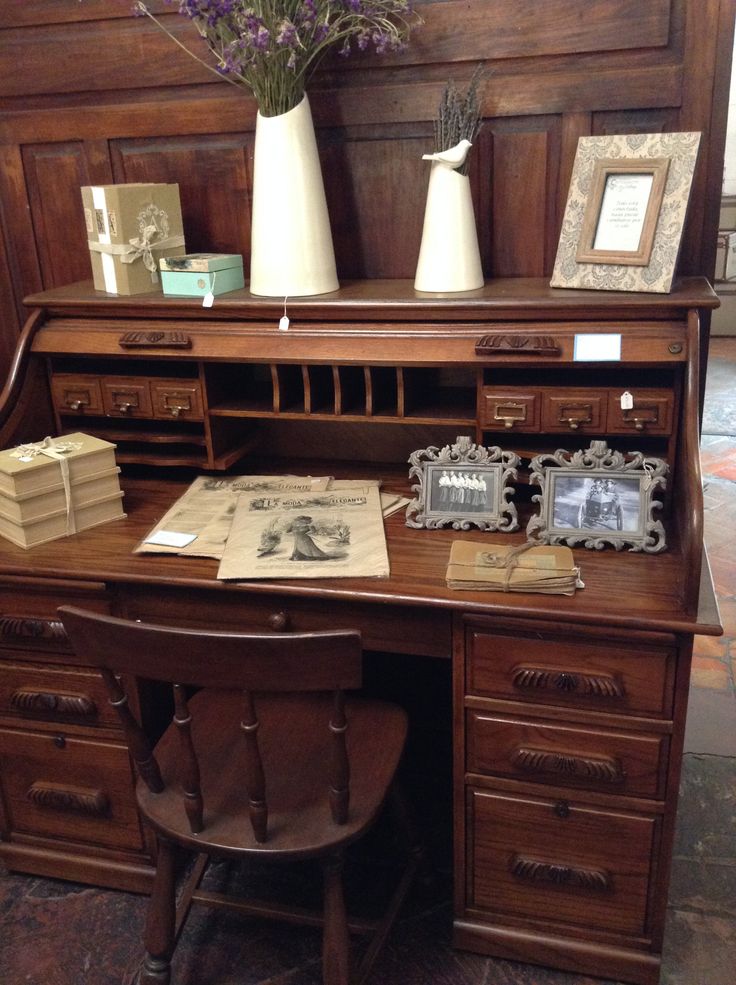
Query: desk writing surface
{"points": [[633, 589]]}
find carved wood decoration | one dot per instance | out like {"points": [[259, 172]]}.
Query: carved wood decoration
{"points": [[155, 340], [605, 770], [145, 111], [33, 700], [63, 797], [596, 685], [573, 876], [517, 345], [23, 628]]}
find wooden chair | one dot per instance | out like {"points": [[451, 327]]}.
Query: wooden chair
{"points": [[268, 759]]}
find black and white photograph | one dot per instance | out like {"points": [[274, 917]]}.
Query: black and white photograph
{"points": [[599, 502], [462, 490]]}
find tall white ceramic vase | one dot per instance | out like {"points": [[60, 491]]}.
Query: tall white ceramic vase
{"points": [[449, 258], [291, 241]]}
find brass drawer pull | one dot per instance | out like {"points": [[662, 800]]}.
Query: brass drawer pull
{"points": [[595, 685], [124, 407], [27, 699], [77, 800], [505, 413], [78, 405], [533, 870], [574, 422], [603, 769], [634, 416], [24, 628]]}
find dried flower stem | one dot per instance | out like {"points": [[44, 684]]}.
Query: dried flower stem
{"points": [[458, 116]]}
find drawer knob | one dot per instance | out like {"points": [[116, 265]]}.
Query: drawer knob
{"points": [[77, 405], [278, 622], [124, 407], [77, 800], [29, 700], [562, 809], [561, 874], [60, 741]]}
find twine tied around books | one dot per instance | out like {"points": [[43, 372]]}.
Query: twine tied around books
{"points": [[509, 561], [153, 225], [53, 448]]}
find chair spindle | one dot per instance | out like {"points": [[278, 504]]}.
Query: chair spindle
{"points": [[140, 748], [190, 778], [340, 765], [255, 780]]}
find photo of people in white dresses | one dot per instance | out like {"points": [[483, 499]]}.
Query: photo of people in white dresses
{"points": [[462, 489], [611, 503]]}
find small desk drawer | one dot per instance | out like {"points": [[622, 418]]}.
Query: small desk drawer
{"points": [[652, 412], [563, 755], [28, 613], [567, 863], [570, 672], [509, 410], [126, 397], [54, 694], [176, 400], [63, 787], [573, 410], [76, 394]]}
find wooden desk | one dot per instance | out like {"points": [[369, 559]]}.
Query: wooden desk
{"points": [[568, 712]]}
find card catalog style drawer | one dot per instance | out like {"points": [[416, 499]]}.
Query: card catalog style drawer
{"points": [[651, 413], [573, 410], [76, 394], [54, 694], [563, 862], [60, 786], [562, 755], [176, 399], [126, 397], [570, 672], [509, 410]]}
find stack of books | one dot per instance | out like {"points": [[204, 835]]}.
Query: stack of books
{"points": [[56, 487], [480, 566]]}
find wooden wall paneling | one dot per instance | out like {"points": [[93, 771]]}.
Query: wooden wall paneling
{"points": [[214, 174], [525, 169], [54, 175], [376, 190], [25, 272], [9, 314]]}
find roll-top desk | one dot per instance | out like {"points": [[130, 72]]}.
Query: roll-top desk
{"points": [[569, 713]]}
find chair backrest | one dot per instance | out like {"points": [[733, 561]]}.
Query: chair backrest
{"points": [[247, 662]]}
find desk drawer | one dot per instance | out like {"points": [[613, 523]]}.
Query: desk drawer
{"points": [[398, 629], [60, 786], [563, 755], [596, 675], [565, 863], [28, 612], [54, 694]]}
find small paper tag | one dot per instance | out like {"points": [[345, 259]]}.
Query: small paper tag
{"points": [[169, 538], [284, 323], [208, 300], [627, 401]]}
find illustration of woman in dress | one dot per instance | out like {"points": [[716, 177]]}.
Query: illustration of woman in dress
{"points": [[305, 548]]}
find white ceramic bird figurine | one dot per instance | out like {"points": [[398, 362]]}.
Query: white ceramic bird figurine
{"points": [[453, 157]]}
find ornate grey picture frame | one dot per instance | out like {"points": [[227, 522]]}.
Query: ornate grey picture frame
{"points": [[463, 485], [625, 212], [598, 497]]}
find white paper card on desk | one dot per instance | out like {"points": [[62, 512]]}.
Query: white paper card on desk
{"points": [[594, 348], [169, 538], [334, 534]]}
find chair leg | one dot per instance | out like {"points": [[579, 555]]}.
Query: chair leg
{"points": [[335, 943], [159, 936]]}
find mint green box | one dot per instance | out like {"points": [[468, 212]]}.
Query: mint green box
{"points": [[196, 274]]}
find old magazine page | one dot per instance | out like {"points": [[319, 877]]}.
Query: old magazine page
{"points": [[337, 533]]}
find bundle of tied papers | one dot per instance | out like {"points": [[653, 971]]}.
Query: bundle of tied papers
{"points": [[507, 568]]}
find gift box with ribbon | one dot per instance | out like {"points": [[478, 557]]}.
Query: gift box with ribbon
{"points": [[129, 228], [57, 487]]}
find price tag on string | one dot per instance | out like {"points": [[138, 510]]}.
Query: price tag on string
{"points": [[284, 320], [209, 299], [627, 401]]}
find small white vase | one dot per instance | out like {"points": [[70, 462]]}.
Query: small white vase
{"points": [[449, 258], [291, 241]]}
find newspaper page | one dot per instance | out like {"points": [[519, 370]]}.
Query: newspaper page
{"points": [[337, 533], [199, 521]]}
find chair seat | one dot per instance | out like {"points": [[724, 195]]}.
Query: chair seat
{"points": [[294, 729]]}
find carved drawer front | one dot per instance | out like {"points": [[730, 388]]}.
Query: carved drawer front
{"points": [[76, 394], [126, 397], [651, 413], [509, 410], [607, 760], [54, 694], [56, 785], [573, 410], [574, 673], [560, 861], [176, 400], [28, 614]]}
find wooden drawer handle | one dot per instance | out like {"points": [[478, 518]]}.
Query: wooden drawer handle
{"points": [[23, 628], [27, 699], [606, 770], [591, 685], [532, 870], [77, 800]]}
